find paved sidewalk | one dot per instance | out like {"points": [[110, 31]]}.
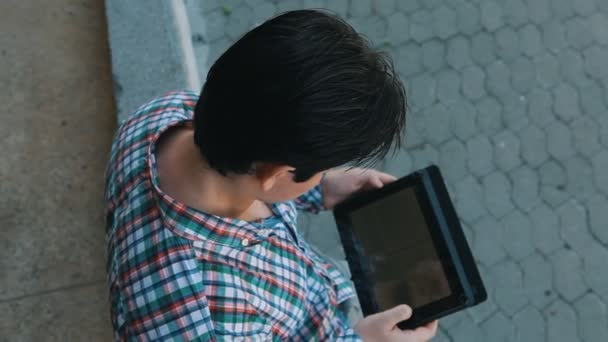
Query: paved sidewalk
{"points": [[509, 99]]}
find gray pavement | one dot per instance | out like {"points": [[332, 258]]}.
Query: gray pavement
{"points": [[509, 99]]}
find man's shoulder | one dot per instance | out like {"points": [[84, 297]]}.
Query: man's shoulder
{"points": [[129, 146]]}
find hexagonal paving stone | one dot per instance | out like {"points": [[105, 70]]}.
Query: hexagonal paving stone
{"points": [[459, 52], [407, 6], [516, 12], [422, 91], [448, 86], [571, 66], [554, 35], [545, 229], [577, 33], [507, 43], [592, 100], [215, 21], [498, 78], [431, 4], [530, 39], [415, 130], [553, 183], [538, 11], [584, 7], [441, 336], [594, 261], [568, 280], [492, 17], [517, 235], [433, 55], [540, 108], [506, 150], [599, 27], [489, 113], [384, 7], [530, 324], [398, 28], [465, 330], [580, 178], [473, 79], [483, 50], [523, 75], [361, 8], [338, 6], [533, 145], [585, 133], [592, 318], [559, 141], [525, 188], [515, 111], [444, 22], [598, 216], [239, 22], [470, 205], [398, 165], [595, 61], [566, 103], [409, 59], [464, 115], [562, 8], [424, 156], [600, 176], [538, 284], [547, 69], [487, 247], [374, 27], [452, 160], [497, 190], [468, 18], [498, 328], [561, 322], [480, 155], [573, 224], [508, 291], [437, 123], [421, 25]]}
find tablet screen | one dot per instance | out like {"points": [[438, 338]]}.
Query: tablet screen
{"points": [[397, 252]]}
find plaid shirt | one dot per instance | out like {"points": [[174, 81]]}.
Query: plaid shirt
{"points": [[176, 273]]}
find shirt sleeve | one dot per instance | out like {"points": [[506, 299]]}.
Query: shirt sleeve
{"points": [[311, 201], [348, 334]]}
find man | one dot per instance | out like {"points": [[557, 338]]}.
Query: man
{"points": [[202, 192]]}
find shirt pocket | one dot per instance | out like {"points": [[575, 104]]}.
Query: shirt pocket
{"points": [[234, 316]]}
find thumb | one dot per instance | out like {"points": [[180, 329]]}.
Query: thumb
{"points": [[391, 317]]}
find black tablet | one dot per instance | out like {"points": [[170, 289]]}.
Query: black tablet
{"points": [[405, 245]]}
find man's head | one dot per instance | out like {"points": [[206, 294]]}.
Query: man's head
{"points": [[295, 96]]}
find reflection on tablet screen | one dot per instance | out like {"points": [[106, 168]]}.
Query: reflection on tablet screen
{"points": [[398, 253]]}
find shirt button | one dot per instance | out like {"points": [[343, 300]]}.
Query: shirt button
{"points": [[245, 242]]}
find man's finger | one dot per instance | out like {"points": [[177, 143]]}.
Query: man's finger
{"points": [[399, 313], [376, 182], [385, 177]]}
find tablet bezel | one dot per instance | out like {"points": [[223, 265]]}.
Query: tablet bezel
{"points": [[426, 313]]}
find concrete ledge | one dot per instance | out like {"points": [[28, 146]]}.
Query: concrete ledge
{"points": [[151, 51]]}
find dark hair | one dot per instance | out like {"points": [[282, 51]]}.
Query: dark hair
{"points": [[302, 89]]}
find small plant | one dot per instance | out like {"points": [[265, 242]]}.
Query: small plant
{"points": [[227, 10]]}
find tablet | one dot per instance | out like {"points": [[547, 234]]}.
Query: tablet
{"points": [[405, 245]]}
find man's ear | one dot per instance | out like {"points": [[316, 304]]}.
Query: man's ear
{"points": [[269, 173]]}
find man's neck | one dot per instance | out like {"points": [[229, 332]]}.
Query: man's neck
{"points": [[203, 188]]}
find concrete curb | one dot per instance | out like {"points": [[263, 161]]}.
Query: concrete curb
{"points": [[151, 51]]}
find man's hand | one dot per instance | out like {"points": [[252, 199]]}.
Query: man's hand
{"points": [[338, 184], [382, 327]]}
